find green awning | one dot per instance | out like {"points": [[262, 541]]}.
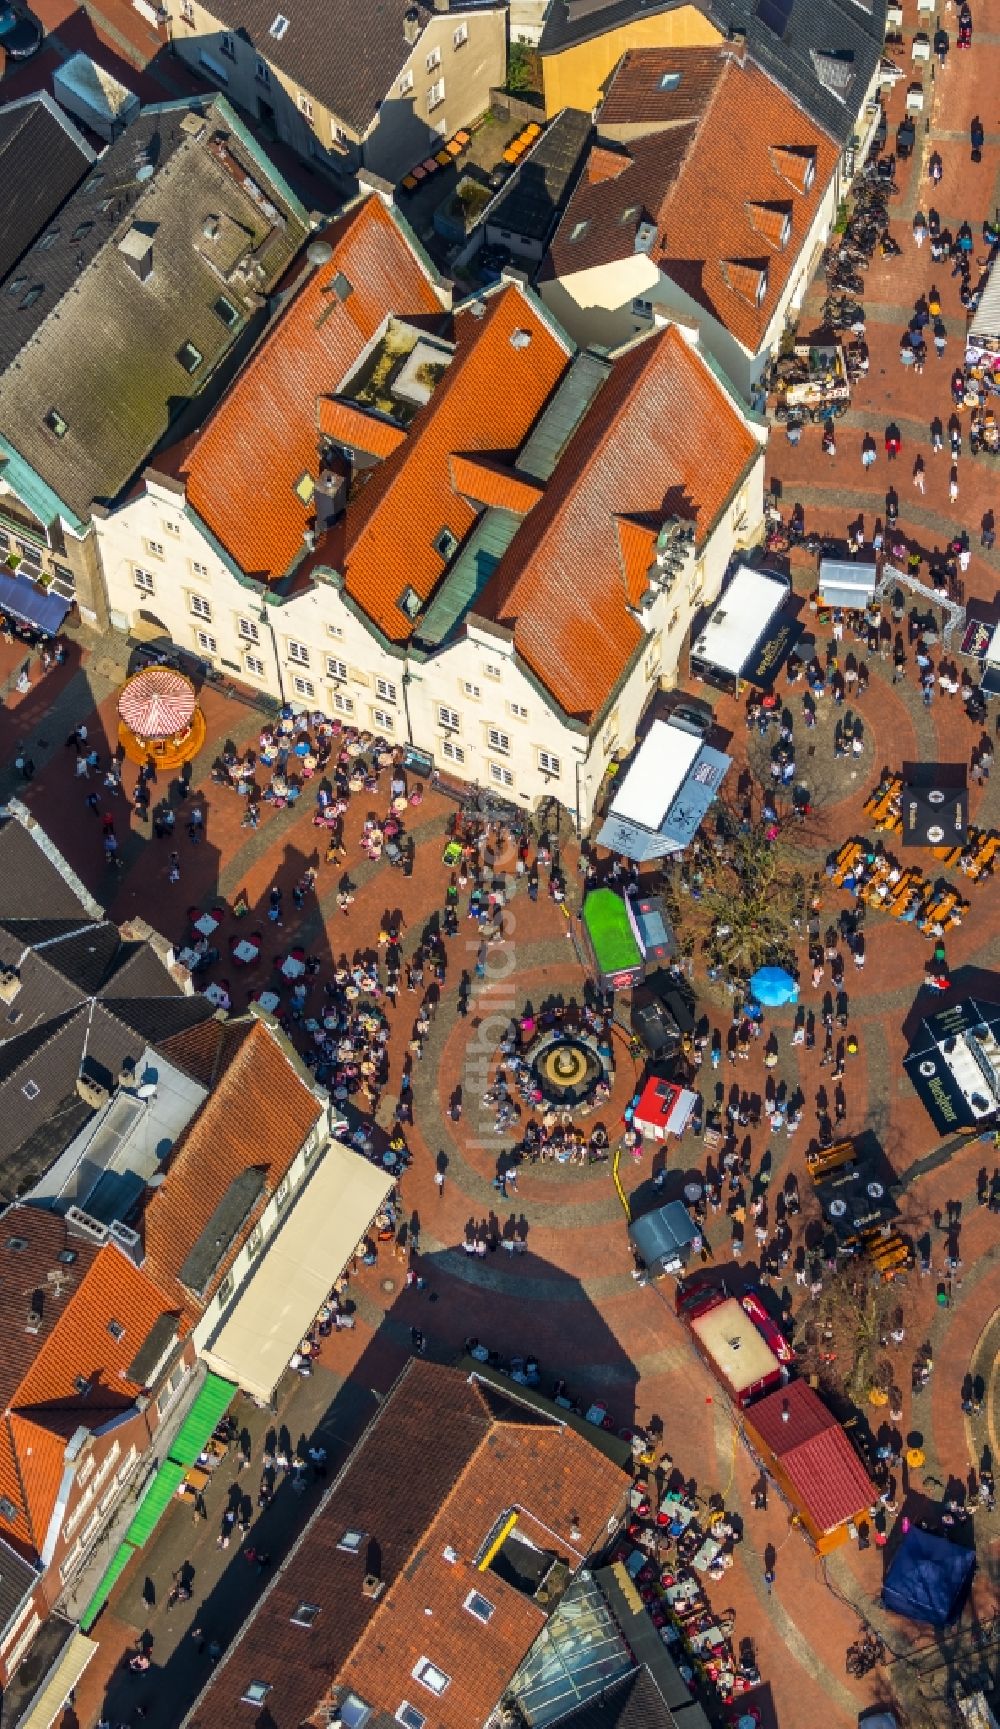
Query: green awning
{"points": [[214, 1399], [162, 1488], [122, 1556]]}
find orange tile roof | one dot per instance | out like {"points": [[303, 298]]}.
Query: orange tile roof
{"points": [[263, 436], [660, 438], [490, 484], [604, 164], [637, 543], [486, 400], [636, 93], [704, 182], [345, 423], [770, 221], [47, 1407], [746, 279], [257, 1116]]}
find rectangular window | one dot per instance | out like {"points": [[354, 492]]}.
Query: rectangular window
{"points": [[254, 665], [206, 643], [190, 357], [227, 46], [492, 670], [282, 1193], [199, 569], [279, 27], [642, 308], [305, 1615], [410, 1717], [385, 689], [335, 630], [548, 763], [343, 704], [453, 752], [433, 59], [429, 1675], [336, 668], [305, 106], [297, 651], [518, 710], [385, 721], [255, 1242], [248, 630], [201, 608], [460, 36], [499, 740], [406, 84], [144, 580], [448, 717], [472, 690], [225, 310], [155, 547], [501, 775], [187, 11], [262, 73], [435, 95], [304, 687], [479, 1606], [224, 1289], [256, 1693]]}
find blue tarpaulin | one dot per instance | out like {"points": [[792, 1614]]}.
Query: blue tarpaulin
{"points": [[26, 601], [927, 1578]]}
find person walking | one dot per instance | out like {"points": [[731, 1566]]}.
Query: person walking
{"points": [[919, 477], [953, 485]]}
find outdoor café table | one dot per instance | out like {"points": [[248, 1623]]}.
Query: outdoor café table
{"points": [[245, 951], [206, 924], [679, 1515], [681, 1593], [188, 958], [706, 1554], [217, 996], [268, 1001], [292, 968], [710, 1638]]}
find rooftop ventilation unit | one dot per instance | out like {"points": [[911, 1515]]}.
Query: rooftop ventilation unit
{"points": [[645, 235]]}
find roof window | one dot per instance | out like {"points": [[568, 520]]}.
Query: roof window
{"points": [[410, 1717], [353, 1712], [446, 544], [81, 1385], [429, 1675], [304, 488], [81, 231], [117, 1330], [255, 1693], [56, 424], [279, 27], [8, 1511], [479, 1606], [341, 286], [34, 293], [670, 80], [66, 1257], [350, 1543], [410, 602], [190, 357], [578, 230], [31, 1089], [16, 1244], [48, 240], [16, 285], [305, 1615], [225, 310]]}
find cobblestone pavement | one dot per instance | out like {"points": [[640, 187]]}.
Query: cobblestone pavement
{"points": [[571, 1299]]}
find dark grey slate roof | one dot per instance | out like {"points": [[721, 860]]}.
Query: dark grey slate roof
{"points": [[42, 159], [109, 365], [823, 52], [223, 1227], [31, 885], [16, 1580], [152, 1349], [634, 1702], [532, 200], [347, 56]]}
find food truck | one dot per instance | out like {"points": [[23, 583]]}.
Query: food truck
{"points": [[747, 636], [742, 1346]]}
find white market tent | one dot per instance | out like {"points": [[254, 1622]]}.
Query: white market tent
{"points": [[657, 774], [292, 1281]]}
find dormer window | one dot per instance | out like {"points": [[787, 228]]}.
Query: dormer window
{"points": [[761, 287], [786, 229], [809, 178]]}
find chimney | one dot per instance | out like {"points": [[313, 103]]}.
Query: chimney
{"points": [[372, 1586], [411, 27]]}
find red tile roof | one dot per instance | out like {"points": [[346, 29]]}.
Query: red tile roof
{"points": [[242, 472], [488, 483], [704, 180], [486, 401], [829, 1480], [257, 1116], [345, 423], [661, 438], [480, 1458], [78, 1305]]}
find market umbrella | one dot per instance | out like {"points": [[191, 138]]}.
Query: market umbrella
{"points": [[157, 702], [773, 986]]}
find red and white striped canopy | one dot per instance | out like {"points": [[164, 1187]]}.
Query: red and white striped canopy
{"points": [[157, 702]]}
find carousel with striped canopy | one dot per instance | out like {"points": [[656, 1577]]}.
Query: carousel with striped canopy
{"points": [[159, 717]]}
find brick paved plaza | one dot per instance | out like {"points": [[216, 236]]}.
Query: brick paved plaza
{"points": [[571, 1298]]}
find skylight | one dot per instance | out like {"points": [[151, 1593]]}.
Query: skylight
{"points": [[279, 27], [56, 424], [670, 80], [350, 1543], [305, 1615], [256, 1692], [578, 230]]}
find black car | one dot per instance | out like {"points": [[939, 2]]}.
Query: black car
{"points": [[20, 33]]}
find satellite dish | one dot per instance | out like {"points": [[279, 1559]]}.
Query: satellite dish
{"points": [[147, 1090], [145, 173], [319, 252]]}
